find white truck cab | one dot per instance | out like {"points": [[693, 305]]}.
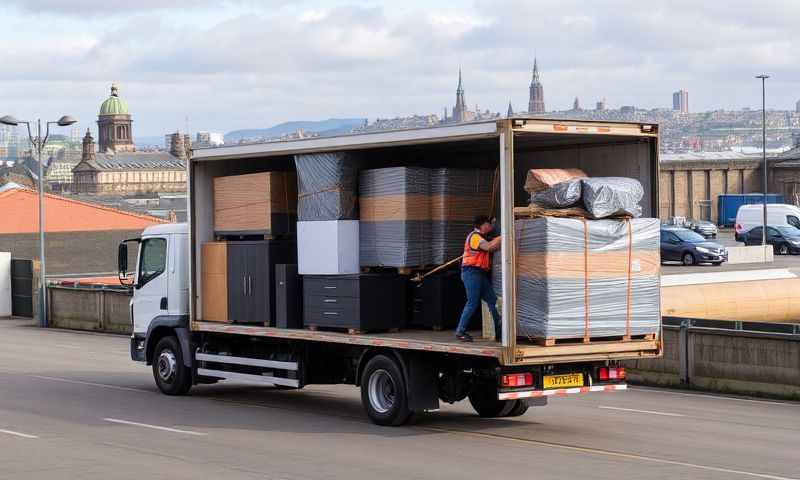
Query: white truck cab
{"points": [[160, 300]]}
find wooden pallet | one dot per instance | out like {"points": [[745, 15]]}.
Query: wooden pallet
{"points": [[349, 331], [550, 342]]}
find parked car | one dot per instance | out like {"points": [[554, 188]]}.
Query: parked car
{"points": [[685, 246], [778, 214], [785, 240], [703, 227]]}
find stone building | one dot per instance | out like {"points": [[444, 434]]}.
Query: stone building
{"points": [[116, 168], [785, 173], [536, 92], [690, 183]]}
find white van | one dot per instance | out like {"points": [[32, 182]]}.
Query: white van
{"points": [[778, 214]]}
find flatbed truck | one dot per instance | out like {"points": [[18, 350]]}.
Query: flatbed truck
{"points": [[403, 373]]}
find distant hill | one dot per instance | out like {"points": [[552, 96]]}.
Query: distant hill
{"points": [[333, 126]]}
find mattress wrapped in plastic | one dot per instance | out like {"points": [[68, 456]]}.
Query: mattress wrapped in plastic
{"points": [[326, 184], [608, 196], [561, 195], [395, 208], [457, 195], [539, 179], [581, 278]]}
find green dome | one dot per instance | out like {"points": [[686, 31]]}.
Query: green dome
{"points": [[114, 105]]}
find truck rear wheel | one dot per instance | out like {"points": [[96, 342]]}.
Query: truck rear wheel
{"points": [[484, 401], [172, 377], [383, 392]]}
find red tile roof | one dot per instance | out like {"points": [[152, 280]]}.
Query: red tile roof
{"points": [[19, 213]]}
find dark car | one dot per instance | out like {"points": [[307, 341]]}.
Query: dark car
{"points": [[784, 239], [685, 246], [703, 227]]}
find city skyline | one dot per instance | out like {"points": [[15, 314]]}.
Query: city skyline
{"points": [[265, 66]]}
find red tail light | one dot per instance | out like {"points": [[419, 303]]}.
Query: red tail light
{"points": [[517, 379], [610, 373]]}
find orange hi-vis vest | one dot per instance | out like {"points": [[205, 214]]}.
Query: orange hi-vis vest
{"points": [[473, 255]]}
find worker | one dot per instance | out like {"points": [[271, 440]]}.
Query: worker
{"points": [[475, 267]]}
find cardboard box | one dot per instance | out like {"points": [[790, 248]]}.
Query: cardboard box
{"points": [[256, 203]]}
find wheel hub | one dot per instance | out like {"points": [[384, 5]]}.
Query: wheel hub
{"points": [[382, 391], [167, 365]]}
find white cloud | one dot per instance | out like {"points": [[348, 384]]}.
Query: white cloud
{"points": [[248, 63]]}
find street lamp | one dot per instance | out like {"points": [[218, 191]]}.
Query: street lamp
{"points": [[764, 153], [38, 143]]}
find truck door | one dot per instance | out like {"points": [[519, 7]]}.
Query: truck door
{"points": [[150, 291]]}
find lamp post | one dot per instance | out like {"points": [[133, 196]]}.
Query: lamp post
{"points": [[38, 143], [764, 153]]}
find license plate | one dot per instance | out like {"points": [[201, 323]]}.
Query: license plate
{"points": [[568, 380]]}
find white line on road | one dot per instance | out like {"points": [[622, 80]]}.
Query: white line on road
{"points": [[17, 434], [154, 427], [611, 453], [665, 414], [712, 396]]}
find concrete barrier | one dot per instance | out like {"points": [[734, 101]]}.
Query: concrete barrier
{"points": [[728, 361], [754, 254], [94, 309]]}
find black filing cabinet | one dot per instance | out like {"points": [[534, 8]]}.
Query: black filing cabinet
{"points": [[288, 297], [251, 278], [366, 302]]}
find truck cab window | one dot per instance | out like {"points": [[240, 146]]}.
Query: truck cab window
{"points": [[153, 259]]}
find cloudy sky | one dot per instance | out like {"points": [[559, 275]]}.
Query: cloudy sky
{"points": [[248, 63]]}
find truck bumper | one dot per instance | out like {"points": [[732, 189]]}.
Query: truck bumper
{"points": [[137, 347], [560, 392]]}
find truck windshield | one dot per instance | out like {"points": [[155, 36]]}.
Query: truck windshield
{"points": [[154, 259]]}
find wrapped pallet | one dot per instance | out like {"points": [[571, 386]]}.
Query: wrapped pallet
{"points": [[579, 278], [539, 179], [457, 195], [256, 203], [395, 226], [327, 186]]}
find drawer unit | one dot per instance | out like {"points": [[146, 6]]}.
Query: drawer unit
{"points": [[366, 301]]}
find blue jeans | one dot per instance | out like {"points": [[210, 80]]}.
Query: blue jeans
{"points": [[478, 287]]}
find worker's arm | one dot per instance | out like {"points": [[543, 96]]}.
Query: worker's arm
{"points": [[491, 245]]}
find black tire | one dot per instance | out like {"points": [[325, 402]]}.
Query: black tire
{"points": [[484, 401], [687, 259], [172, 377], [519, 409], [782, 249], [383, 392]]}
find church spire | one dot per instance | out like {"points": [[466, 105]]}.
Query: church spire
{"points": [[536, 91], [460, 89], [510, 110], [535, 78], [460, 108]]}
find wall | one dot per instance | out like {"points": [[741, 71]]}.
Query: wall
{"points": [[72, 252], [729, 361], [691, 188], [90, 309]]}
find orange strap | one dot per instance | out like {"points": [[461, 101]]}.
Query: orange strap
{"points": [[586, 280], [630, 279]]}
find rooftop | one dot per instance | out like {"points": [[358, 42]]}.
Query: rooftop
{"points": [[137, 160], [20, 207]]}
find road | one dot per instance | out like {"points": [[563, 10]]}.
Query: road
{"points": [[72, 405]]}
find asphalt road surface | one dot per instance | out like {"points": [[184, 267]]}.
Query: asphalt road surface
{"points": [[73, 405]]}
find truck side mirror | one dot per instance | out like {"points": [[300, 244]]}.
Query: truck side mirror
{"points": [[122, 261]]}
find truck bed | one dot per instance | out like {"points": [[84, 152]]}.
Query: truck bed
{"points": [[445, 342]]}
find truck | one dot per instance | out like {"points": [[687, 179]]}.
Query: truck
{"points": [[399, 373]]}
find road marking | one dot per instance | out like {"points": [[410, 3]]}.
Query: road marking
{"points": [[712, 396], [665, 414], [154, 427], [611, 453], [17, 434], [91, 384]]}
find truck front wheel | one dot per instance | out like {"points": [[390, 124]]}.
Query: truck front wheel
{"points": [[383, 392], [484, 401], [172, 377]]}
